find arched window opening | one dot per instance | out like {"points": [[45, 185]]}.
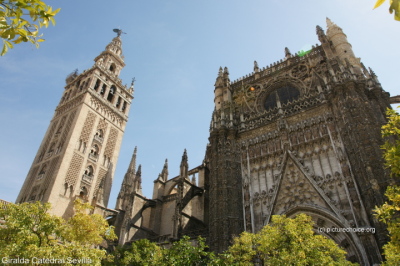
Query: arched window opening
{"points": [[97, 85], [89, 171], [270, 103], [99, 135], [287, 94], [88, 174], [118, 102], [103, 89], [112, 67], [281, 96], [83, 193], [111, 93], [123, 107], [94, 152]]}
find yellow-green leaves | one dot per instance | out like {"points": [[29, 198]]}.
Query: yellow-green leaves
{"points": [[29, 231], [285, 241], [394, 7], [20, 21], [378, 3], [388, 213]]}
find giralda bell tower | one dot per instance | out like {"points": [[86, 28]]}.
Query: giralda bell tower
{"points": [[81, 146]]}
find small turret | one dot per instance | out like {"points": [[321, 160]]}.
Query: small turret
{"points": [[159, 183], [138, 180], [222, 92], [324, 42], [341, 47], [256, 68], [164, 172], [184, 165], [287, 53]]}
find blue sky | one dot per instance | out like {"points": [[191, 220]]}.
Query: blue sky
{"points": [[174, 49]]}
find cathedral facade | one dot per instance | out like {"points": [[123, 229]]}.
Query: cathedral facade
{"points": [[299, 136]]}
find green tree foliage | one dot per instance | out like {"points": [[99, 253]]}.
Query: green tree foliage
{"points": [[389, 213], [285, 241], [394, 7], [184, 252], [28, 231], [141, 252], [181, 253], [20, 21]]}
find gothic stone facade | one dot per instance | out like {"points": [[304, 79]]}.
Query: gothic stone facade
{"points": [[299, 136], [83, 140]]}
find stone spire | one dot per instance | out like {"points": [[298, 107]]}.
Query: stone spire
{"points": [[164, 172], [256, 68], [184, 165], [287, 52], [341, 46], [127, 186], [132, 165]]}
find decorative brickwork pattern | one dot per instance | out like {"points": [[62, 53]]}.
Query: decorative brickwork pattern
{"points": [[74, 169], [42, 152], [63, 108], [112, 139], [27, 186], [102, 125], [50, 172], [67, 127], [88, 126], [100, 177]]}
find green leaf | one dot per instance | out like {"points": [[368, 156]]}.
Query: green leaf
{"points": [[4, 50], [378, 3]]}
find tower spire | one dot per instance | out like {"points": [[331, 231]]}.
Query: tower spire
{"points": [[132, 165], [184, 165], [164, 172]]}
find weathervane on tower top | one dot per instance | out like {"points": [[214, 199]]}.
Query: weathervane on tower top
{"points": [[119, 32]]}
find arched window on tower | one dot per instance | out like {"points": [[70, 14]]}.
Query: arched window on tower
{"points": [[103, 89], [97, 85], [112, 67], [89, 171], [99, 135], [94, 152], [88, 174], [111, 93], [83, 193]]}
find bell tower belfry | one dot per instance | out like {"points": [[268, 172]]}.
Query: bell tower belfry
{"points": [[81, 146]]}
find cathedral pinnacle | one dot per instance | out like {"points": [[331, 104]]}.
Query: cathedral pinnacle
{"points": [[139, 174], [287, 52], [329, 23], [132, 165], [256, 68], [184, 165]]}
